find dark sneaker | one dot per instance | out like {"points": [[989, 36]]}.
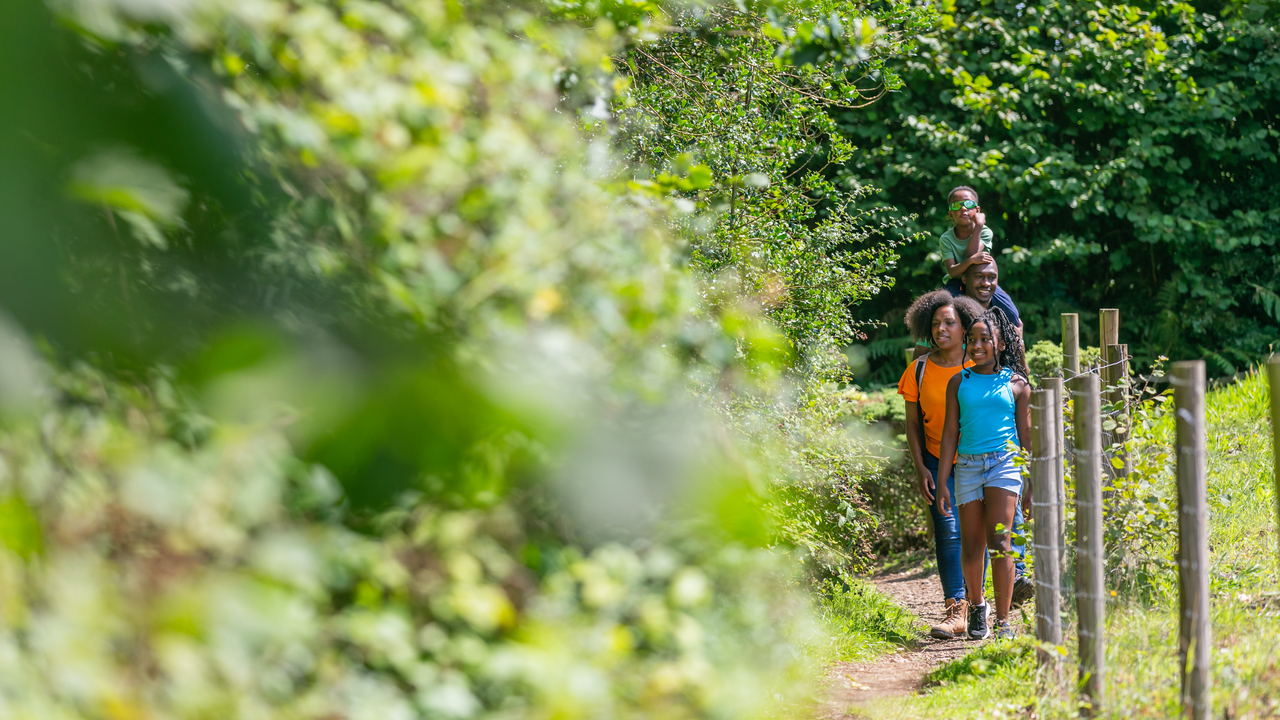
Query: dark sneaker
{"points": [[1005, 631], [1023, 590], [978, 622]]}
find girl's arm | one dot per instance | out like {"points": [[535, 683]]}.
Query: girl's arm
{"points": [[1022, 418], [915, 442], [950, 440]]}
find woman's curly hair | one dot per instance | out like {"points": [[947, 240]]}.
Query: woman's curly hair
{"points": [[1012, 356], [920, 314]]}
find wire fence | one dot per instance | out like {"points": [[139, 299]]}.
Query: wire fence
{"points": [[1078, 465]]}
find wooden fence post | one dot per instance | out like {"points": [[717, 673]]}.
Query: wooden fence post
{"points": [[1060, 480], [1194, 647], [1090, 601], [1108, 335], [1273, 380], [1045, 456], [1108, 328], [1070, 344]]}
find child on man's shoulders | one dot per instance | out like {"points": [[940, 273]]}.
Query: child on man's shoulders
{"points": [[966, 253]]}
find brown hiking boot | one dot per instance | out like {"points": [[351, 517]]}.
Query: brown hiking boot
{"points": [[955, 624]]}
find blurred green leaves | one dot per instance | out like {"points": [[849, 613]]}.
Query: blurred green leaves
{"points": [[421, 427], [370, 362], [140, 192], [744, 96], [19, 529]]}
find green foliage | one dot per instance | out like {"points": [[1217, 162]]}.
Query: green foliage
{"points": [[727, 114], [367, 388], [222, 569], [731, 115], [1142, 519], [1124, 155], [823, 507], [1142, 513], [744, 104], [883, 405], [892, 493], [1044, 359]]}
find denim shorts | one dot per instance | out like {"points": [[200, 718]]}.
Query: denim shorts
{"points": [[974, 473]]}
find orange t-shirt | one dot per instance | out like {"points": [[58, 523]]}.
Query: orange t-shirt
{"points": [[933, 401]]}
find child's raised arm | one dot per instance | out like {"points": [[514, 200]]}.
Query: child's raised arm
{"points": [[975, 238], [950, 440], [974, 253]]}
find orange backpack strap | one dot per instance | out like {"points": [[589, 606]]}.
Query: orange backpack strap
{"points": [[920, 361]]}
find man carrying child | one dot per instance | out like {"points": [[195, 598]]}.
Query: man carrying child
{"points": [[966, 255]]}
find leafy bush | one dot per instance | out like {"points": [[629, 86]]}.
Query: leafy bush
{"points": [[739, 103], [1044, 359], [1141, 517], [725, 117], [221, 570]]}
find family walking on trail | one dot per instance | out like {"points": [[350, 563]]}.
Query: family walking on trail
{"points": [[967, 395]]}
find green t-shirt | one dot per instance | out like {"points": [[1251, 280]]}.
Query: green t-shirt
{"points": [[949, 246]]}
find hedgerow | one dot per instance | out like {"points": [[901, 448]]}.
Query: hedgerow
{"points": [[362, 375]]}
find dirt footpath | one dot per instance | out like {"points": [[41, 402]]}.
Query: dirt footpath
{"points": [[848, 685]]}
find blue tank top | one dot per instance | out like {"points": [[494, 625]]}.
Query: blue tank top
{"points": [[986, 412]]}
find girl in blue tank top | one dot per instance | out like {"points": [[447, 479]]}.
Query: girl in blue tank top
{"points": [[987, 419]]}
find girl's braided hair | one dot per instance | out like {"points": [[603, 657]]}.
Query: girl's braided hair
{"points": [[920, 314], [1012, 356]]}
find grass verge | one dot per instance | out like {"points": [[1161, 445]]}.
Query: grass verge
{"points": [[864, 623]]}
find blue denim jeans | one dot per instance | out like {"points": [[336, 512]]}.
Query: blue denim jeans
{"points": [[946, 538]]}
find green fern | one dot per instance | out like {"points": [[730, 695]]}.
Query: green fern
{"points": [[1242, 358], [1168, 296], [1217, 365], [885, 347]]}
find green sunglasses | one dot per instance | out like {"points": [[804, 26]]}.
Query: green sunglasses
{"points": [[966, 204]]}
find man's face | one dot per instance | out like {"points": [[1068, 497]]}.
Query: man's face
{"points": [[980, 282]]}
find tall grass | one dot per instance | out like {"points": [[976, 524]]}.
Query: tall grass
{"points": [[864, 623]]}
